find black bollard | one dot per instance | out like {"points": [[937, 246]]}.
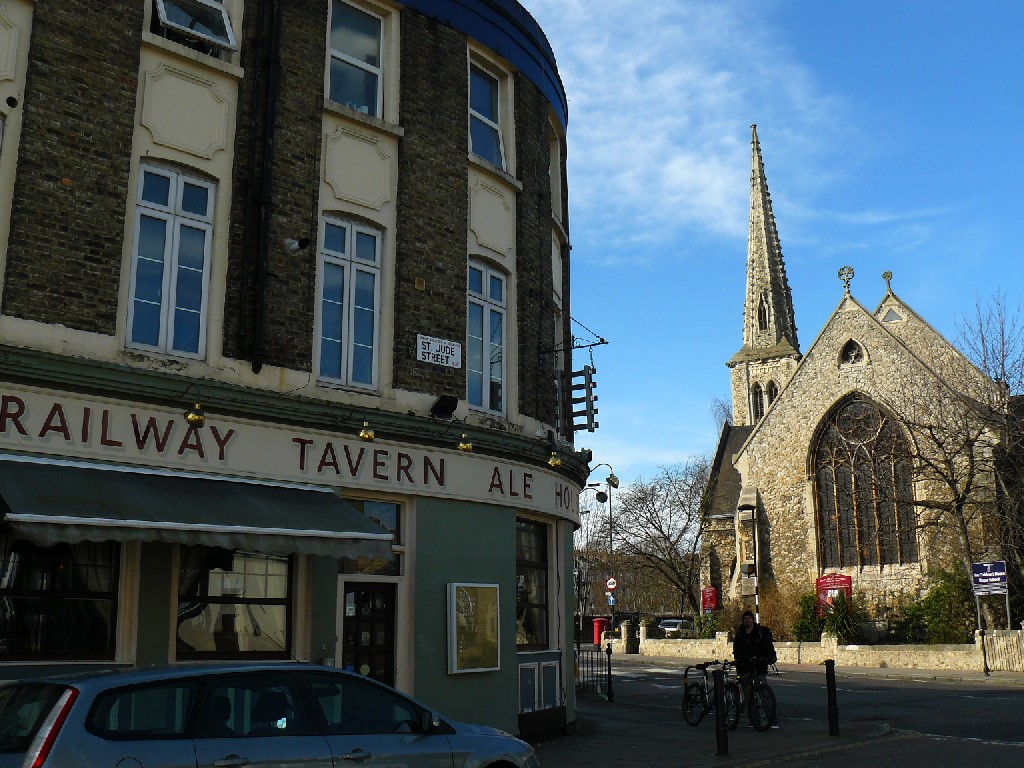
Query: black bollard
{"points": [[833, 706], [721, 729], [611, 694]]}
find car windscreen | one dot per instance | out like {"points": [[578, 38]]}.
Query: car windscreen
{"points": [[23, 707]]}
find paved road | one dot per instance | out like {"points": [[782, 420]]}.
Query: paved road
{"points": [[887, 717]]}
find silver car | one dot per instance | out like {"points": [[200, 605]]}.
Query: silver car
{"points": [[255, 715]]}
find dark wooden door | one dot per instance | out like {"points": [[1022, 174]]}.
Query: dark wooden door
{"points": [[368, 630]]}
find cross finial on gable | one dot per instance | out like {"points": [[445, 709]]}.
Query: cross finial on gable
{"points": [[887, 276], [846, 275]]}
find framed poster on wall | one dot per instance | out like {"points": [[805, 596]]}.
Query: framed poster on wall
{"points": [[472, 628]]}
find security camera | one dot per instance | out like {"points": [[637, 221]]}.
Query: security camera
{"points": [[294, 246]]}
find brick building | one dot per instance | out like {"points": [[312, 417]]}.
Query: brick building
{"points": [[861, 456], [339, 229]]}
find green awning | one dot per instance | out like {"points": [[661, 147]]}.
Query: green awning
{"points": [[47, 502]]}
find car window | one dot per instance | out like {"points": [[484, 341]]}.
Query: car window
{"points": [[153, 711], [352, 706], [23, 707], [251, 705]]}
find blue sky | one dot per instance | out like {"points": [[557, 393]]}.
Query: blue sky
{"points": [[893, 139]]}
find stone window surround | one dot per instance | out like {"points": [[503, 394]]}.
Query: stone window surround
{"points": [[177, 175], [490, 65], [489, 306], [348, 263]]}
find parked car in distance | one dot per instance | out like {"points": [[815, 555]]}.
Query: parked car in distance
{"points": [[678, 627], [236, 714]]}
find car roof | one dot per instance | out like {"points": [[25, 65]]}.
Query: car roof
{"points": [[117, 676]]}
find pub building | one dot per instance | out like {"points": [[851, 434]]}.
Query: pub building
{"points": [[285, 345]]}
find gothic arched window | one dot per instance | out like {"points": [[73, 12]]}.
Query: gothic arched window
{"points": [[756, 402], [772, 391], [863, 488], [762, 312]]}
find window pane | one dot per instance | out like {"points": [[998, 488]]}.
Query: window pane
{"points": [[197, 18], [191, 248], [146, 324], [189, 289], [330, 358], [334, 238], [232, 628], [152, 242], [362, 365], [475, 354], [497, 289], [476, 281], [149, 281], [483, 94], [195, 199], [356, 34], [156, 189], [353, 87], [332, 316], [154, 711], [484, 142], [186, 331], [366, 247]]}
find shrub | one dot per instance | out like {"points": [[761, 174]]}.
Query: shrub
{"points": [[947, 609], [845, 619], [807, 627]]}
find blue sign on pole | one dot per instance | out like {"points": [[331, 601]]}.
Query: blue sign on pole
{"points": [[611, 599], [989, 578]]}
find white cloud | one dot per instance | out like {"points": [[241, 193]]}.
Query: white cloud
{"points": [[661, 96]]}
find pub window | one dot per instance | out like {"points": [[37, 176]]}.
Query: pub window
{"points": [[531, 585], [863, 488], [233, 604], [58, 602]]}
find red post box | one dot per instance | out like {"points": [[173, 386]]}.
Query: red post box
{"points": [[600, 625]]}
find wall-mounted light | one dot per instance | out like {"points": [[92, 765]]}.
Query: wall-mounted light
{"points": [[444, 407], [464, 444], [195, 416], [294, 246], [554, 461], [366, 434]]}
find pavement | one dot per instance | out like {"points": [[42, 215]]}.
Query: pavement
{"points": [[626, 733]]}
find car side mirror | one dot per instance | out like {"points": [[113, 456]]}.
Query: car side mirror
{"points": [[429, 721]]}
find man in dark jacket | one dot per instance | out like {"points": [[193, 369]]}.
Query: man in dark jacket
{"points": [[753, 650], [753, 641]]}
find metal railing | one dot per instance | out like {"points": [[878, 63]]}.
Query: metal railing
{"points": [[594, 671]]}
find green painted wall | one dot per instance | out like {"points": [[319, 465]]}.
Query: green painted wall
{"points": [[323, 572], [155, 610], [459, 541], [564, 537]]}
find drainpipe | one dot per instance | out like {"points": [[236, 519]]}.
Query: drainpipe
{"points": [[247, 233], [266, 195]]}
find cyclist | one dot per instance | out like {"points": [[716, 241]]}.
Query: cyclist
{"points": [[753, 641]]}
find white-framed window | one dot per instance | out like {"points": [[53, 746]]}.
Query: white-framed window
{"points": [[204, 22], [170, 262], [485, 140], [348, 322], [485, 338], [356, 51]]}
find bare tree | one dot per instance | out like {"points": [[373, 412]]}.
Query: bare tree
{"points": [[658, 526]]}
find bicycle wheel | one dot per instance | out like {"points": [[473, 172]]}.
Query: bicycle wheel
{"points": [[762, 707], [693, 704], [732, 705]]}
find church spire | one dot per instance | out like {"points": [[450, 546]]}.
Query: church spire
{"points": [[768, 322], [770, 351]]}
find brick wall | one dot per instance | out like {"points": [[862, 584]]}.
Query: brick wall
{"points": [[433, 202], [533, 254], [70, 195], [295, 173]]}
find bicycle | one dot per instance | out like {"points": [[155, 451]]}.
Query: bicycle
{"points": [[757, 696], [698, 696]]}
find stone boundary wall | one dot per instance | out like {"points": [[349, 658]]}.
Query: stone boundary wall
{"points": [[1004, 650]]}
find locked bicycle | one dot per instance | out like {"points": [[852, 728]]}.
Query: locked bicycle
{"points": [[756, 696], [699, 692]]}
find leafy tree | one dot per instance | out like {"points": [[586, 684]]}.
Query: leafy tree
{"points": [[807, 627]]}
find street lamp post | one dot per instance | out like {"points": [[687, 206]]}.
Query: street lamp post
{"points": [[612, 481]]}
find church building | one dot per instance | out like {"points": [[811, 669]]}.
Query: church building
{"points": [[869, 455]]}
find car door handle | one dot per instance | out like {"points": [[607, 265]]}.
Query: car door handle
{"points": [[230, 760], [359, 754]]}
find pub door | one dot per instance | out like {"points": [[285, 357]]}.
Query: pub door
{"points": [[367, 632]]}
